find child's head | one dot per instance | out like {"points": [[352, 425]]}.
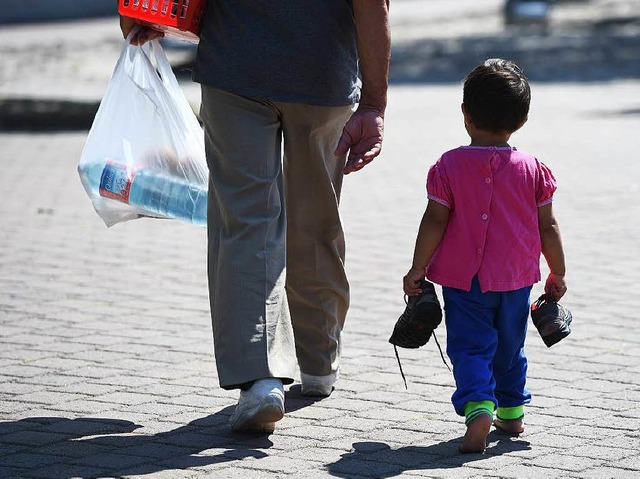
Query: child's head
{"points": [[496, 96]]}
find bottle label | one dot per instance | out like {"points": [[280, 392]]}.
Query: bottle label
{"points": [[115, 182]]}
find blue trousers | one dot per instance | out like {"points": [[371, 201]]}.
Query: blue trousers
{"points": [[485, 342]]}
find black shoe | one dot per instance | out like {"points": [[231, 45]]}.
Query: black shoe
{"points": [[551, 319], [419, 319]]}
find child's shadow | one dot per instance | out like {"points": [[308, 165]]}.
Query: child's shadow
{"points": [[378, 460]]}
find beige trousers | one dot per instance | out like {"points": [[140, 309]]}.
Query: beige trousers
{"points": [[277, 284]]}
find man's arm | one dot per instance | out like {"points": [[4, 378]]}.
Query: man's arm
{"points": [[363, 133]]}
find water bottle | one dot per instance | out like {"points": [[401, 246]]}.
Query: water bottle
{"points": [[151, 191]]}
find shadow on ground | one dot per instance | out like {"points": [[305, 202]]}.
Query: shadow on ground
{"points": [[97, 447], [377, 460], [94, 447]]}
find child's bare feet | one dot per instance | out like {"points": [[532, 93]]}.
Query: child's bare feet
{"points": [[475, 439], [510, 426]]}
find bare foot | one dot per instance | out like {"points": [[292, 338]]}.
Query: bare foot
{"points": [[510, 426], [475, 439]]}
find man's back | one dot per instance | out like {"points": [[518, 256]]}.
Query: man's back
{"points": [[294, 51]]}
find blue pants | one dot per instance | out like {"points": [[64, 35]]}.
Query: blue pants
{"points": [[485, 342]]}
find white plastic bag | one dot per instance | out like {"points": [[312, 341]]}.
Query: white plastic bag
{"points": [[144, 155]]}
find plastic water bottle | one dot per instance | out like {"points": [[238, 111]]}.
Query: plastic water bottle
{"points": [[152, 192]]}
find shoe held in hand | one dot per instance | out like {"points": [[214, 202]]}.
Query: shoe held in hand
{"points": [[551, 319], [420, 318]]}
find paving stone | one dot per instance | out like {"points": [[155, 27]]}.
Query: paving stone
{"points": [[87, 406], [566, 462], [609, 472], [30, 437], [525, 471], [112, 461]]}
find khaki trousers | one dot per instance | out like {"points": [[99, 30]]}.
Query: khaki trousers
{"points": [[277, 284]]}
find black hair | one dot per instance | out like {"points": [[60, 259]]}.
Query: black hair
{"points": [[496, 96]]}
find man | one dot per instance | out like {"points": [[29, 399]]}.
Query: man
{"points": [[273, 74]]}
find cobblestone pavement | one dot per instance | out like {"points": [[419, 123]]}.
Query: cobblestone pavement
{"points": [[106, 364]]}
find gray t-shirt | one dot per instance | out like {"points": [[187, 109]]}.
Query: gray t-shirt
{"points": [[301, 51]]}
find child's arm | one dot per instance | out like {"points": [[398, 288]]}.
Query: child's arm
{"points": [[434, 223], [552, 251]]}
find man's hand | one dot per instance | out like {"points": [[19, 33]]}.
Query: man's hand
{"points": [[146, 33], [362, 138]]}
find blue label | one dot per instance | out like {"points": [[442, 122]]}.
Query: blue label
{"points": [[115, 183]]}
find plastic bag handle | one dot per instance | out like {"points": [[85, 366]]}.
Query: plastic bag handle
{"points": [[151, 50], [164, 90], [160, 71]]}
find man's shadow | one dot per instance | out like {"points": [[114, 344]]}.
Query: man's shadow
{"points": [[98, 447], [378, 460]]}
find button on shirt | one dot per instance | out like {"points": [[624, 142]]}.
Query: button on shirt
{"points": [[493, 194]]}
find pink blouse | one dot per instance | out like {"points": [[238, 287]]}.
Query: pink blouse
{"points": [[493, 194]]}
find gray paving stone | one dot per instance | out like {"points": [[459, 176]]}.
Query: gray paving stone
{"points": [[20, 370], [48, 397], [90, 389], [66, 450], [112, 461], [6, 449], [64, 470], [348, 467], [601, 452], [318, 413], [318, 432], [631, 462], [566, 462], [31, 438], [609, 472], [87, 406], [525, 471], [349, 423], [623, 441], [308, 474], [126, 398]]}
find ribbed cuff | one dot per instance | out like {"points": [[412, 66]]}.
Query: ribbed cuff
{"points": [[473, 409], [510, 413]]}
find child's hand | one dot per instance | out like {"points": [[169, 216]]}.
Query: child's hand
{"points": [[555, 286], [411, 282]]}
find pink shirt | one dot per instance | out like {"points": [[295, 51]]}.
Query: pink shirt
{"points": [[493, 194]]}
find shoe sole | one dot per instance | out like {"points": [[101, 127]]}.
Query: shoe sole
{"points": [[560, 334], [317, 393], [417, 331], [260, 419]]}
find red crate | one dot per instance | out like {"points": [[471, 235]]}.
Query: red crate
{"points": [[176, 18]]}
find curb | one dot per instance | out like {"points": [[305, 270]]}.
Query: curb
{"points": [[23, 114]]}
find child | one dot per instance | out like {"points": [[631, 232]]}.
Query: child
{"points": [[488, 218]]}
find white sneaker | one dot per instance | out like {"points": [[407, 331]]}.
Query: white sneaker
{"points": [[259, 407], [317, 386]]}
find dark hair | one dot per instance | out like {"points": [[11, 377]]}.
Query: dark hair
{"points": [[496, 96]]}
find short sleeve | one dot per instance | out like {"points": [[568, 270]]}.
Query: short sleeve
{"points": [[545, 185], [438, 188]]}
